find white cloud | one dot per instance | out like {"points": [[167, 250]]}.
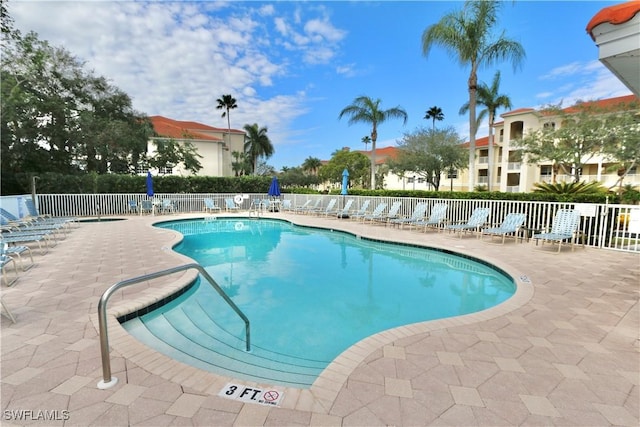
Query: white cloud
{"points": [[175, 59]]}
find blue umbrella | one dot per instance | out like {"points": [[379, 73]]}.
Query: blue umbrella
{"points": [[345, 182], [149, 184], [274, 188]]}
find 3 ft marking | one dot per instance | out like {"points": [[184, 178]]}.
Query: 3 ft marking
{"points": [[260, 396]]}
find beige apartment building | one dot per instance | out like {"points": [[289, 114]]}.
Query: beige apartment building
{"points": [[511, 171], [215, 145]]}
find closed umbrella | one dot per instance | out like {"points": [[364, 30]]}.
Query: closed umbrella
{"points": [[150, 190], [345, 182], [345, 190], [149, 184], [274, 192], [274, 188]]}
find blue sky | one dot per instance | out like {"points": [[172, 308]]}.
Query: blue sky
{"points": [[293, 66]]}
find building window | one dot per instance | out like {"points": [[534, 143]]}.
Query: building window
{"points": [[546, 170], [167, 170], [549, 125], [142, 169]]}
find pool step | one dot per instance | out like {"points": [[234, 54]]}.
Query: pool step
{"points": [[189, 335]]}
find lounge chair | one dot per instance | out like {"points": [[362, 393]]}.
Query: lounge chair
{"points": [[7, 219], [394, 213], [5, 261], [308, 208], [210, 206], [7, 312], [510, 226], [364, 209], [344, 212], [564, 227], [230, 205], [476, 221], [436, 218], [377, 212], [327, 209], [417, 214], [133, 206], [17, 251], [42, 240], [33, 212]]}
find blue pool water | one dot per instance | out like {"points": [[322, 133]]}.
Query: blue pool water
{"points": [[309, 294]]}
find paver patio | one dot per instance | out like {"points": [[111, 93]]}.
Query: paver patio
{"points": [[564, 351]]}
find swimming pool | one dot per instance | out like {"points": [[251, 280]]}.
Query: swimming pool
{"points": [[309, 294]]}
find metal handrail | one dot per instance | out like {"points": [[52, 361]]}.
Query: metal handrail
{"points": [[109, 381]]}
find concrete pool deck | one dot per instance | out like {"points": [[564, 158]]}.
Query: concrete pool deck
{"points": [[564, 351]]}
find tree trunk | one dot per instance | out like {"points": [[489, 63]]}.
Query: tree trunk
{"points": [[472, 127]]}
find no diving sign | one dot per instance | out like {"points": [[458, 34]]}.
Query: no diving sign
{"points": [[270, 397]]}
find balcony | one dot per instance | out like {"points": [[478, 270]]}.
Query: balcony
{"points": [[513, 188], [483, 160], [514, 166]]}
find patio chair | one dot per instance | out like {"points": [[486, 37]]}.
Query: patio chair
{"points": [[564, 227], [286, 205], [230, 205], [41, 239], [436, 219], [167, 206], [510, 225], [362, 211], [210, 206], [474, 223], [417, 214], [146, 206], [133, 206], [377, 212]]}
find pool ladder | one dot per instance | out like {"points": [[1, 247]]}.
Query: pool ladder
{"points": [[107, 380]]}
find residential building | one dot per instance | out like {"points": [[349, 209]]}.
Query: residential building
{"points": [[510, 170], [215, 145]]}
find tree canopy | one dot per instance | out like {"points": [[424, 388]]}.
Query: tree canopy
{"points": [[58, 116], [573, 136], [429, 153], [356, 163]]}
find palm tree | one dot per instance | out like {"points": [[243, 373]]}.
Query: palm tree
{"points": [[492, 100], [366, 110], [467, 34], [227, 103], [366, 140], [311, 165], [434, 113], [257, 144]]}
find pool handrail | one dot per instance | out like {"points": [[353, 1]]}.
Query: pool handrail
{"points": [[107, 380]]}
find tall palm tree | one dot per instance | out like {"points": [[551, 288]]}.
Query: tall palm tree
{"points": [[227, 103], [468, 35], [257, 144], [311, 165], [434, 113], [366, 140], [367, 110], [492, 100]]}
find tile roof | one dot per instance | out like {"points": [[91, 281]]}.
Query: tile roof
{"points": [[382, 154], [616, 14], [177, 129], [600, 103]]}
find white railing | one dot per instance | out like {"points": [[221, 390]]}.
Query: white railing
{"points": [[514, 166], [602, 225]]}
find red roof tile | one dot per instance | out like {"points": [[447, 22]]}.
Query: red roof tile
{"points": [[170, 128], [481, 142], [616, 14]]}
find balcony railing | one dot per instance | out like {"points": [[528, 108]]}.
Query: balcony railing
{"points": [[514, 166]]}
